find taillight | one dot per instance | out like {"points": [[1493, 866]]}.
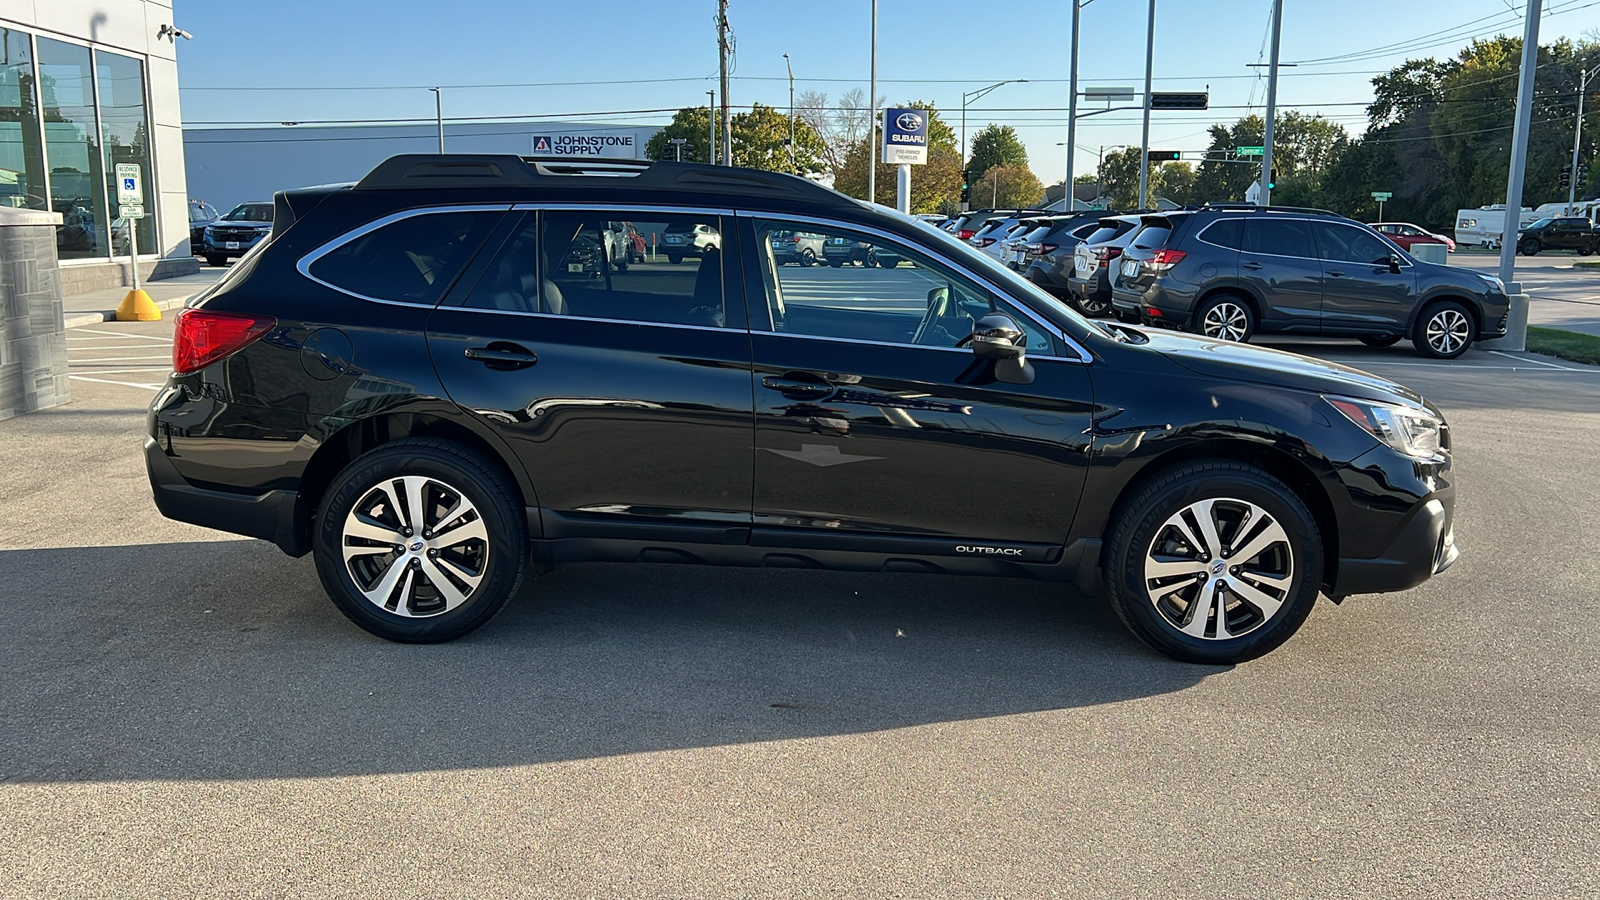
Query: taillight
{"points": [[1048, 248], [202, 337], [794, 239], [985, 242], [967, 233], [1106, 254], [1163, 260]]}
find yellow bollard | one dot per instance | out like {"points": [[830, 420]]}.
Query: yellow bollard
{"points": [[138, 307]]}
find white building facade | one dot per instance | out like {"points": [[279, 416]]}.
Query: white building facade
{"points": [[86, 85]]}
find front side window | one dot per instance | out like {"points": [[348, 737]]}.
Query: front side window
{"points": [[1278, 237], [611, 265], [412, 260], [881, 292], [1344, 243]]}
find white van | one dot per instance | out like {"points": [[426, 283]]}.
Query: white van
{"points": [[1484, 226], [1589, 209]]}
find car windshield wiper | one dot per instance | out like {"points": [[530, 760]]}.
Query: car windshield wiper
{"points": [[1123, 333]]}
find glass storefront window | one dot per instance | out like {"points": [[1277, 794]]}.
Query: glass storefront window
{"points": [[72, 146], [126, 137], [21, 157]]}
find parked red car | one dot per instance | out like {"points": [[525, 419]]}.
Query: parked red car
{"points": [[1405, 234]]}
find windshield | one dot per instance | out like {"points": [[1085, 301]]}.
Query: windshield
{"points": [[1542, 223], [250, 212]]}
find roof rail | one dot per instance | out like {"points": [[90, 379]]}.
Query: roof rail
{"points": [[1251, 207], [469, 170]]}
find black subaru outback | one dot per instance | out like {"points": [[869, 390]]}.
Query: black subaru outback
{"points": [[1232, 272], [426, 381]]}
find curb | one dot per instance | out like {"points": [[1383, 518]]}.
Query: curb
{"points": [[98, 316]]}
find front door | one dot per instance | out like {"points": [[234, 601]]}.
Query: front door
{"points": [[1361, 292], [870, 420], [623, 386]]}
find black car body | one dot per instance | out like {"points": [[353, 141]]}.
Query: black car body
{"points": [[1563, 233], [403, 381], [232, 236], [1233, 272]]}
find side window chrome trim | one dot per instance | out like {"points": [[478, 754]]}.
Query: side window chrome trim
{"points": [[1201, 235], [305, 263], [1049, 328]]}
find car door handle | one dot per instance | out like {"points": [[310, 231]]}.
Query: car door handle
{"points": [[1336, 273], [503, 355], [792, 388], [1252, 266]]}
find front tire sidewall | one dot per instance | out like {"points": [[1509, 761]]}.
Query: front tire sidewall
{"points": [[1135, 528], [482, 485], [1419, 334]]}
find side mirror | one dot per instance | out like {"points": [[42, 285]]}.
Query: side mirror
{"points": [[998, 337], [1394, 263]]}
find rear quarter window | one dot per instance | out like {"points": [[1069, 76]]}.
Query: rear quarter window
{"points": [[1224, 233], [412, 260], [1152, 237]]}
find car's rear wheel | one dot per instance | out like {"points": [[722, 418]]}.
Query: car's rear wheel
{"points": [[1226, 318], [1213, 562], [1380, 340], [807, 258], [420, 541], [1585, 251], [1444, 330], [1529, 247]]}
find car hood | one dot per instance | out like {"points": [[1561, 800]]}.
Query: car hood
{"points": [[1242, 362], [240, 223]]}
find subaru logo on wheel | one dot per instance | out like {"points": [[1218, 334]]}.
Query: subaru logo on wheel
{"points": [[908, 121]]}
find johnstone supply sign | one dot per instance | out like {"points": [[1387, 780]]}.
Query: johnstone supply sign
{"points": [[905, 136], [613, 146]]}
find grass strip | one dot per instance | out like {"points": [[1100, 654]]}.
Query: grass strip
{"points": [[1568, 345], [1591, 264]]}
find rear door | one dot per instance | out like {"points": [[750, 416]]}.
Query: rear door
{"points": [[1278, 265], [1361, 292], [626, 394]]}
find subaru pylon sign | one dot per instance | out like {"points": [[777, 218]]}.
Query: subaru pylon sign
{"points": [[905, 136]]}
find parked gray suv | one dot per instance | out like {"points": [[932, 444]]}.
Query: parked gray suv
{"points": [[1233, 272]]}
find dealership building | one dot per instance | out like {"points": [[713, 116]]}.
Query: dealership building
{"points": [[86, 85], [227, 166]]}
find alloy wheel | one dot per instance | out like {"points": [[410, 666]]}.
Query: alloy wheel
{"points": [[1225, 321], [415, 546], [1447, 331], [1219, 569]]}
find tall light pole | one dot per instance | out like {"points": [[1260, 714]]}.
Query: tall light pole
{"points": [[872, 122], [1072, 98], [1519, 162], [1577, 135], [1272, 106], [978, 94], [1144, 142], [711, 120], [438, 114], [792, 167]]}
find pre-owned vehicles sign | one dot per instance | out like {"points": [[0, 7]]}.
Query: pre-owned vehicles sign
{"points": [[620, 146], [905, 136]]}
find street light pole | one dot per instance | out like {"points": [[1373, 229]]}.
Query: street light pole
{"points": [[1072, 106], [792, 167], [1272, 107], [1577, 135], [438, 114], [1519, 159], [1149, 70], [711, 118], [970, 96]]}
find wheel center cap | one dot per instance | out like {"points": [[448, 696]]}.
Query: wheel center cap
{"points": [[1218, 566], [416, 546]]}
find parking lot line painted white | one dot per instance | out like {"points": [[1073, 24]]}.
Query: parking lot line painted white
{"points": [[128, 336], [1534, 361], [147, 387], [1595, 371], [98, 347], [102, 359]]}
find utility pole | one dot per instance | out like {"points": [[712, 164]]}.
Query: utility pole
{"points": [[872, 124], [711, 124], [1519, 160], [793, 169], [1272, 106], [1072, 107], [1144, 143], [724, 47], [1577, 135], [438, 114]]}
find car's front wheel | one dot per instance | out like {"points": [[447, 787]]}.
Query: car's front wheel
{"points": [[1213, 561], [420, 541], [1443, 331]]}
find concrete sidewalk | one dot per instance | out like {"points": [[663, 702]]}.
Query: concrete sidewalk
{"points": [[94, 307]]}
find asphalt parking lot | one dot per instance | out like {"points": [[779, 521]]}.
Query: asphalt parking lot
{"points": [[183, 713]]}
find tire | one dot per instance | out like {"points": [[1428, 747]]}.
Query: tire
{"points": [[1158, 581], [674, 258], [1226, 317], [1379, 340], [217, 261], [1585, 251], [372, 589], [1444, 330], [807, 258], [885, 262], [1093, 307], [1529, 247]]}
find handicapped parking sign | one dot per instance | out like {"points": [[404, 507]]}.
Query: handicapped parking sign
{"points": [[129, 189]]}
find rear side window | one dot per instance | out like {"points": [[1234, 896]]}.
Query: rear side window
{"points": [[1227, 233], [1279, 237], [1152, 236], [1107, 232], [412, 260]]}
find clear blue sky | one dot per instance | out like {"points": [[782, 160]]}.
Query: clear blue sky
{"points": [[662, 54]]}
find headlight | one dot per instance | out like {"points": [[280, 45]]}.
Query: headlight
{"points": [[1494, 282], [208, 231], [1412, 431]]}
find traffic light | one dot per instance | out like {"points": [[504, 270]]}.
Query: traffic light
{"points": [[1170, 100], [1272, 180], [1566, 176], [1164, 155], [966, 185]]}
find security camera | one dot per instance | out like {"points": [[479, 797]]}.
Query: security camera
{"points": [[172, 33]]}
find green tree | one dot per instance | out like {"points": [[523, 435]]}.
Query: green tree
{"points": [[692, 124], [1301, 145], [761, 138], [996, 145], [1007, 187], [935, 187]]}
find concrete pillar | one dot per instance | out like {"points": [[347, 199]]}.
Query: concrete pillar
{"points": [[33, 340], [1516, 325]]}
